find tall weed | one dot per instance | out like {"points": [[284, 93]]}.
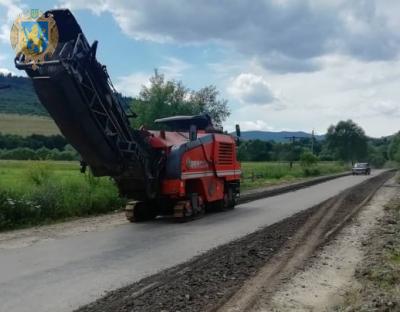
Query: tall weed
{"points": [[45, 196]]}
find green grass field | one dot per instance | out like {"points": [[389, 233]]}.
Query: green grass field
{"points": [[27, 124], [258, 174], [15, 174], [37, 192]]}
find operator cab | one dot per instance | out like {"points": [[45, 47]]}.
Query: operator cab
{"points": [[184, 123]]}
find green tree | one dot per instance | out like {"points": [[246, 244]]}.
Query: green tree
{"points": [[308, 159], [394, 148], [255, 150], [376, 157], [164, 98], [206, 101], [347, 141]]}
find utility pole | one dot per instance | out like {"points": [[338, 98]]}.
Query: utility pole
{"points": [[312, 141], [293, 140]]}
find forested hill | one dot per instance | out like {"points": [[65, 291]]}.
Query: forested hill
{"points": [[21, 98]]}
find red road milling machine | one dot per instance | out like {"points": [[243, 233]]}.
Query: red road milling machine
{"points": [[179, 171]]}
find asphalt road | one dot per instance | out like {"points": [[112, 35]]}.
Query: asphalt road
{"points": [[63, 274]]}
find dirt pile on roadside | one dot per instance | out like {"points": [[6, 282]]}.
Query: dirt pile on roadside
{"points": [[208, 281]]}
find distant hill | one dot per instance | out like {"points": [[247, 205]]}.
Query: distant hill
{"points": [[280, 136], [20, 98]]}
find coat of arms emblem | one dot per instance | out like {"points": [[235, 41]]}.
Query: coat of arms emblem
{"points": [[35, 36]]}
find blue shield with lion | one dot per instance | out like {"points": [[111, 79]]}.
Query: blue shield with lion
{"points": [[35, 36]]}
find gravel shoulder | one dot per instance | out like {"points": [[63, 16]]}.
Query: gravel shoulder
{"points": [[221, 278], [375, 284], [328, 283]]}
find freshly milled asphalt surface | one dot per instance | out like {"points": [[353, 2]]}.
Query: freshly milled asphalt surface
{"points": [[63, 274]]}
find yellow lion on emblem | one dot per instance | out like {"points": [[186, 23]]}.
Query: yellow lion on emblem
{"points": [[33, 42]]}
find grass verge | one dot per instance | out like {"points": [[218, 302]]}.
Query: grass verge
{"points": [[258, 174], [38, 192]]}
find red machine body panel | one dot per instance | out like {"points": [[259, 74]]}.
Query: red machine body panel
{"points": [[203, 169]]}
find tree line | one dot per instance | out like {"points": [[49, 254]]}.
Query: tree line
{"points": [[36, 147], [34, 141], [345, 141]]}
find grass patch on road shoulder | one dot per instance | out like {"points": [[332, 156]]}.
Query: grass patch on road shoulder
{"points": [[38, 192], [258, 174]]}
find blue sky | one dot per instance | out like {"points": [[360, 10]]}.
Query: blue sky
{"points": [[282, 64]]}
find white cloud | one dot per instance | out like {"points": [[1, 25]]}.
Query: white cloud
{"points": [[251, 89], [174, 68], [132, 84], [260, 125], [345, 88], [95, 6], [286, 36], [11, 10], [5, 33], [387, 108]]}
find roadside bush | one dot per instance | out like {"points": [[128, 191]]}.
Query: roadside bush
{"points": [[33, 141], [326, 156], [46, 197], [103, 197], [391, 164], [311, 172], [308, 159], [308, 162], [38, 174], [378, 161], [24, 153], [42, 196], [21, 153], [15, 211]]}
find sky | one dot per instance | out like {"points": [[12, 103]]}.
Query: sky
{"points": [[281, 64]]}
